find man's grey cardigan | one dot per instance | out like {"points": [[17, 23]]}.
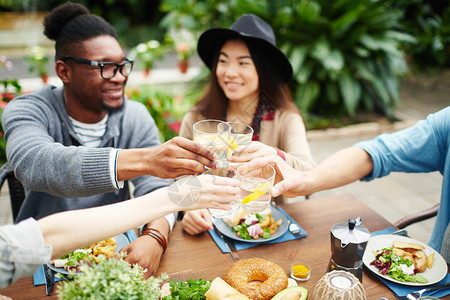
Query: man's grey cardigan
{"points": [[58, 172]]}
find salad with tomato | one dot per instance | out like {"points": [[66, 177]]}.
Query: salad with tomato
{"points": [[256, 225], [396, 267]]}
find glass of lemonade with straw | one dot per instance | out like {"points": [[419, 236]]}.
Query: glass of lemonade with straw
{"points": [[214, 135], [256, 183]]}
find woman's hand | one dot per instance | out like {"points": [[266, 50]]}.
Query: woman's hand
{"points": [[146, 252], [251, 151], [204, 191], [197, 221]]}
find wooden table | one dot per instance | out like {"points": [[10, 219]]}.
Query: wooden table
{"points": [[193, 257]]}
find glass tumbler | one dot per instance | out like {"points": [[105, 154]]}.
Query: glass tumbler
{"points": [[240, 135], [214, 135], [222, 213], [256, 183]]}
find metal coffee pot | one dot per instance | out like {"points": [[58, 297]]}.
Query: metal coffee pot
{"points": [[348, 242]]}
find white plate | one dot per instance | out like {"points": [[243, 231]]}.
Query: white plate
{"points": [[437, 272], [226, 230], [121, 241]]}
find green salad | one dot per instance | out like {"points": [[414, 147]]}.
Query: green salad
{"points": [[396, 267], [192, 289], [250, 227]]}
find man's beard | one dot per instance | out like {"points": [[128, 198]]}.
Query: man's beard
{"points": [[109, 108]]}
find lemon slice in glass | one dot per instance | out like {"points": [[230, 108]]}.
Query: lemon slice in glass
{"points": [[256, 193], [232, 145]]}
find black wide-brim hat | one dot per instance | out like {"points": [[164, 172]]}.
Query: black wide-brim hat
{"points": [[247, 27]]}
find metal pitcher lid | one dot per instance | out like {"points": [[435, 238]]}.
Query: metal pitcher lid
{"points": [[351, 232]]}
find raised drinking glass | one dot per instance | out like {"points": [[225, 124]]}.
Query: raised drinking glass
{"points": [[223, 213], [214, 135], [256, 183], [240, 135]]}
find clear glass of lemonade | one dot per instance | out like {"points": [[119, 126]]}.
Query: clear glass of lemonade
{"points": [[240, 135], [214, 135], [222, 213], [256, 183]]}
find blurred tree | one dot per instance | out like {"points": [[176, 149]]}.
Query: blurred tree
{"points": [[140, 17], [429, 22], [348, 55]]}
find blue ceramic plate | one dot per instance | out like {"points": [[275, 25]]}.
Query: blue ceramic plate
{"points": [[226, 230]]}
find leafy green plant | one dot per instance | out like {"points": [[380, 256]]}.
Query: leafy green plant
{"points": [[193, 289], [147, 53], [10, 88], [429, 22], [184, 43], [347, 54], [37, 61], [111, 279], [167, 110]]}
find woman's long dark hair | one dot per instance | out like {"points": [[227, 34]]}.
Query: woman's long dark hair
{"points": [[274, 92]]}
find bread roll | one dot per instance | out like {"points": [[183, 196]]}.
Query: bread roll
{"points": [[220, 290], [234, 219]]}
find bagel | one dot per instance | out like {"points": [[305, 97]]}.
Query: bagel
{"points": [[272, 277]]}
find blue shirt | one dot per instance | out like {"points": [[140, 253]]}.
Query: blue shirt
{"points": [[423, 147]]}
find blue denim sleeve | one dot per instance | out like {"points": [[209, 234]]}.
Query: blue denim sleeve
{"points": [[412, 150], [423, 147]]}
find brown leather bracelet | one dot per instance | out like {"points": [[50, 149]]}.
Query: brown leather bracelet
{"points": [[157, 235], [158, 239]]}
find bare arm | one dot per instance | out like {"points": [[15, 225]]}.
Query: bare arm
{"points": [[87, 226], [342, 167]]}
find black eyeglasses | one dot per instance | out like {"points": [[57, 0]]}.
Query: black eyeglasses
{"points": [[107, 69]]}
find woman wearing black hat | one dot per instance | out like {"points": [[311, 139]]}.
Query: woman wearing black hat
{"points": [[249, 85]]}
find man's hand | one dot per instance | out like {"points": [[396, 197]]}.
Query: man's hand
{"points": [[288, 181], [176, 157], [343, 167], [180, 156], [145, 251], [197, 221]]}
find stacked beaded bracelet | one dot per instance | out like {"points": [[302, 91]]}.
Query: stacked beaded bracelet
{"points": [[154, 233]]}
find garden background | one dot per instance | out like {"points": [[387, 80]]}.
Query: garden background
{"points": [[349, 56]]}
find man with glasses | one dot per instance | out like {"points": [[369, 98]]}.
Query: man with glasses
{"points": [[107, 69], [77, 146]]}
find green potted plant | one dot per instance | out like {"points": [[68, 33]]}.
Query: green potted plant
{"points": [[184, 43], [37, 61], [166, 109], [10, 89], [147, 53], [111, 279], [184, 52]]}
